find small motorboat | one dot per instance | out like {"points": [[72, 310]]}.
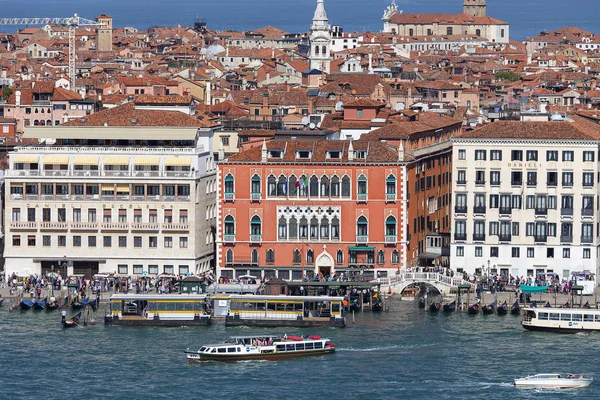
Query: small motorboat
{"points": [[515, 309], [435, 307], [556, 381], [474, 309], [40, 304], [450, 307], [502, 309], [489, 309], [26, 304], [410, 293], [71, 322]]}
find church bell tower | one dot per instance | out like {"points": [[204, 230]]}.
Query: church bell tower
{"points": [[320, 40], [476, 8]]}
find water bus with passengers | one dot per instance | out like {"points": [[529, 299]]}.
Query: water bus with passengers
{"points": [[158, 310], [242, 348], [297, 311], [561, 320]]}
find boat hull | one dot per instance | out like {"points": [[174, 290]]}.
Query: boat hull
{"points": [[197, 321], [297, 323], [553, 384], [556, 329], [194, 357]]}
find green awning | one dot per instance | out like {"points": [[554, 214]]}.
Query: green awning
{"points": [[533, 289], [361, 248]]}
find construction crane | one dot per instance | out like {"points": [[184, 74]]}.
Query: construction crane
{"points": [[73, 23]]}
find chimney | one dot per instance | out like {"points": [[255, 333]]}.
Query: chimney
{"points": [[350, 152], [272, 53], [18, 98], [263, 157], [227, 51], [543, 106], [401, 151]]}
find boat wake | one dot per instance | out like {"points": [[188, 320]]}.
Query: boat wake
{"points": [[384, 348]]}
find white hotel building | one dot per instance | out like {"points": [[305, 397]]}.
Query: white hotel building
{"points": [[526, 198], [130, 190]]}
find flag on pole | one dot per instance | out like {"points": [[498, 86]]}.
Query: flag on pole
{"points": [[285, 187]]}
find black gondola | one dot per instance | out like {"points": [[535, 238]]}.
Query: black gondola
{"points": [[450, 307], [377, 304], [71, 322], [26, 304], [76, 305], [474, 309], [95, 303], [1, 301], [354, 306], [515, 309], [435, 307], [503, 309], [489, 309], [422, 302], [40, 304], [52, 305]]}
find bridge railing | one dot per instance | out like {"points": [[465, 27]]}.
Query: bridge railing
{"points": [[423, 277]]}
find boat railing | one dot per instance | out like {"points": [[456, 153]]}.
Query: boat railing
{"points": [[262, 315]]}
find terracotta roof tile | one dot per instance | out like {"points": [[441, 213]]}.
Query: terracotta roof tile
{"points": [[535, 130]]}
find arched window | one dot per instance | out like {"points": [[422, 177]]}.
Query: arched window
{"points": [[324, 228], [270, 256], [303, 228], [324, 50], [345, 186], [314, 186], [229, 187], [314, 228], [255, 227], [362, 226], [254, 257], [380, 257], [229, 257], [310, 257], [293, 229], [339, 257], [317, 50], [271, 186], [395, 257], [390, 185], [49, 123], [255, 185], [297, 258], [293, 185], [390, 227], [229, 226], [361, 187], [335, 228], [303, 186], [325, 186], [282, 228], [282, 186], [335, 186]]}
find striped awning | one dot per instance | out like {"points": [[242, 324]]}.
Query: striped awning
{"points": [[178, 162], [86, 160], [59, 160], [146, 161], [116, 160], [26, 159], [108, 186], [123, 188]]}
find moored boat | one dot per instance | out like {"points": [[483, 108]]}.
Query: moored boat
{"points": [[52, 305], [489, 308], [422, 302], [450, 307], [561, 320], [242, 348], [474, 309], [410, 293], [71, 322], [435, 307], [502, 309], [515, 309], [26, 304], [40, 304], [377, 304], [555, 381]]}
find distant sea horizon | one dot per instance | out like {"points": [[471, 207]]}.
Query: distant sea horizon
{"points": [[526, 17]]}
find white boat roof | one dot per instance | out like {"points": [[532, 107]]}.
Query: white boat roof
{"points": [[132, 297], [563, 310], [283, 297]]}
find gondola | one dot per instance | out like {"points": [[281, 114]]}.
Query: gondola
{"points": [[52, 305], [489, 309], [377, 304], [26, 304], [502, 309], [422, 302], [435, 307], [1, 301], [515, 309], [450, 307], [71, 322], [354, 306], [40, 304], [474, 309], [533, 304], [76, 305]]}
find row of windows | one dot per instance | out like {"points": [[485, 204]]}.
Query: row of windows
{"points": [[310, 257], [516, 178], [95, 189], [107, 241], [138, 269], [515, 201], [508, 228], [516, 252], [107, 215], [530, 155]]}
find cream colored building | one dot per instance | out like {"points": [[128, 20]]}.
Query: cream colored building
{"points": [[525, 199], [106, 204]]}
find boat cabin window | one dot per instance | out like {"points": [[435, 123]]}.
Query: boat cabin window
{"points": [[116, 306], [231, 349], [222, 350], [202, 349], [284, 306], [588, 317], [554, 316], [281, 347], [318, 345], [213, 351], [543, 315], [289, 347], [239, 350], [309, 346], [335, 307], [577, 317], [597, 318], [530, 314], [565, 317], [299, 346]]}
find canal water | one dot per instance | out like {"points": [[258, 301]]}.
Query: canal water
{"points": [[404, 353]]}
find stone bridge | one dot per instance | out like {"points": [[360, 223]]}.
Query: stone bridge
{"points": [[444, 284]]}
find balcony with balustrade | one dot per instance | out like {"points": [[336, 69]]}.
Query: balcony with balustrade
{"points": [[361, 198], [229, 239], [256, 238], [46, 225], [23, 225], [176, 227], [83, 226], [362, 239], [391, 239], [587, 239], [566, 238], [145, 226], [114, 226]]}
